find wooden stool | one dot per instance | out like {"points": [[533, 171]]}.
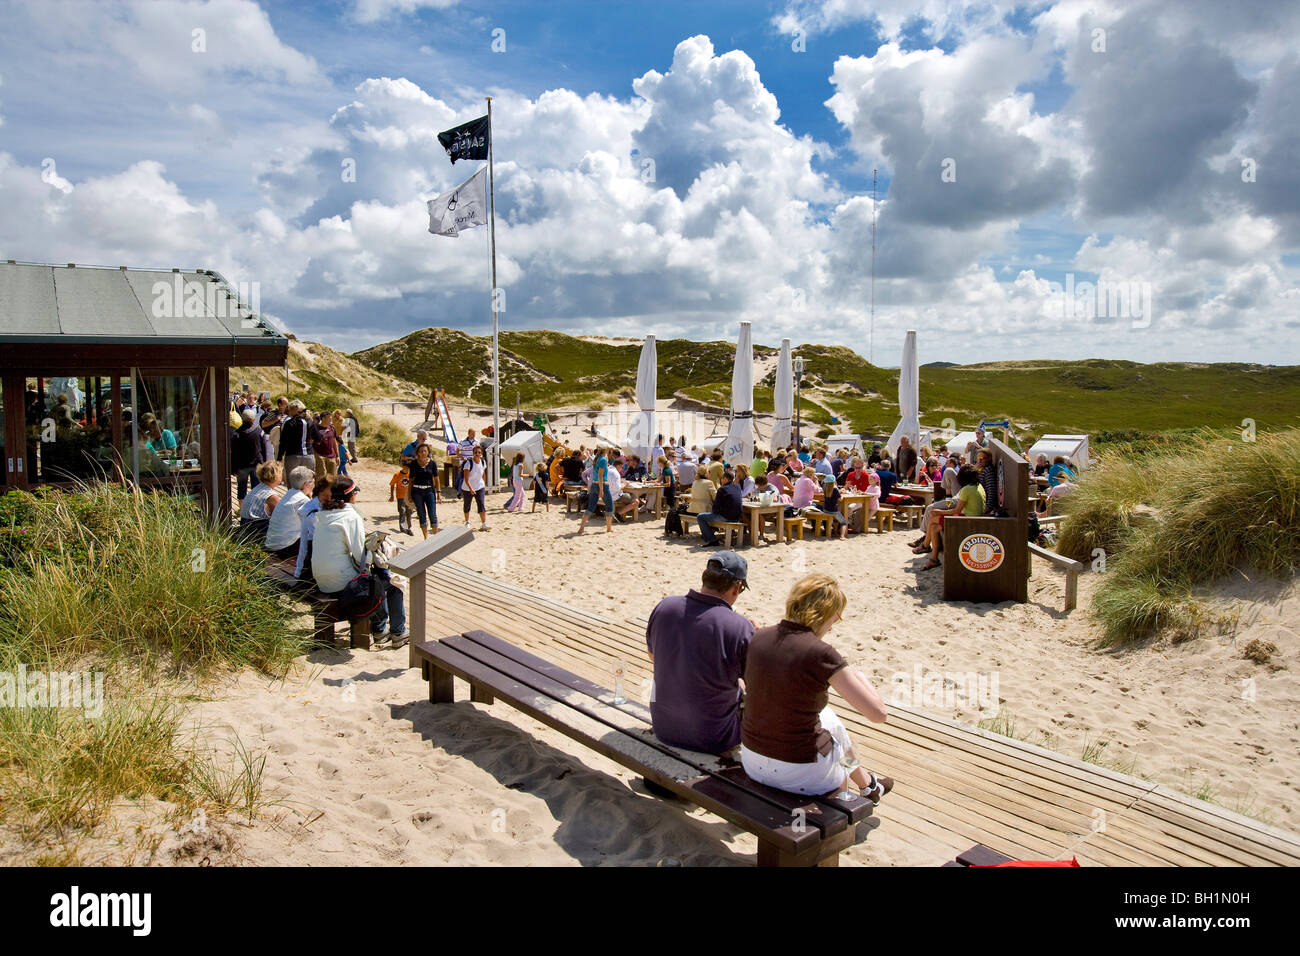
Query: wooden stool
{"points": [[792, 528], [822, 525], [730, 530], [882, 516]]}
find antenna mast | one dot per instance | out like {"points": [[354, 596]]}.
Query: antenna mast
{"points": [[871, 334]]}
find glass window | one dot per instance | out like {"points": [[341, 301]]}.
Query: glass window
{"points": [[69, 424], [165, 426]]}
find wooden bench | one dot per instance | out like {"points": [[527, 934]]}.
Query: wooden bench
{"points": [[571, 501], [730, 531], [822, 525], [792, 830], [1070, 566], [979, 855], [912, 514], [411, 563], [792, 528], [325, 611], [882, 516]]}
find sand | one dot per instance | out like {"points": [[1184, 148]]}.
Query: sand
{"points": [[362, 770]]}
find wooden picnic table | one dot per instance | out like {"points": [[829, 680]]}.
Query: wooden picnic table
{"points": [[756, 513], [854, 498], [651, 493], [924, 492]]}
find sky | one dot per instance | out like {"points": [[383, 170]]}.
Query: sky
{"points": [[1064, 180]]}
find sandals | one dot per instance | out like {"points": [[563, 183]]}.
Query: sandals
{"points": [[917, 543], [931, 565]]}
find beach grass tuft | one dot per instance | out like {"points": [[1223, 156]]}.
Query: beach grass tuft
{"points": [[140, 590], [1176, 520]]}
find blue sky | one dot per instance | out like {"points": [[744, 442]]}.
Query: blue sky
{"points": [[1015, 150]]}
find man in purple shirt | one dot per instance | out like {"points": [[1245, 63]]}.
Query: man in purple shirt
{"points": [[698, 645]]}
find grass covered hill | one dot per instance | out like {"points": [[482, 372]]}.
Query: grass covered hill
{"points": [[1095, 396], [548, 369]]}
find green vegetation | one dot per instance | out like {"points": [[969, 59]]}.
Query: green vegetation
{"points": [[1179, 519], [137, 588], [1107, 399]]}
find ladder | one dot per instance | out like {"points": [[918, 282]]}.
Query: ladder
{"points": [[437, 419]]}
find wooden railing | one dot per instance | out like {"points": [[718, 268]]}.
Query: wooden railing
{"points": [[414, 563]]}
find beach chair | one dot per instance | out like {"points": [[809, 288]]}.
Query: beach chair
{"points": [[792, 830]]}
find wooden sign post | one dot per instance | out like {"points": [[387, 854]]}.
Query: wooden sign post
{"points": [[987, 559]]}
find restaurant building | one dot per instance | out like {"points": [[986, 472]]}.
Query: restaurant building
{"points": [[123, 374]]}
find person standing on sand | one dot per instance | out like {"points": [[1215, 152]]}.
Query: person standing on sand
{"points": [[473, 486], [517, 484], [424, 491], [599, 491], [698, 645]]}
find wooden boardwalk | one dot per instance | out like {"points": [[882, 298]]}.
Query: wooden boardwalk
{"points": [[958, 786]]}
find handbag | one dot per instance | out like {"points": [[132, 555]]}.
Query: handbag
{"points": [[362, 595]]}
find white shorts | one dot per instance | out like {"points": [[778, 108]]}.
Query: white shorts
{"points": [[827, 773]]}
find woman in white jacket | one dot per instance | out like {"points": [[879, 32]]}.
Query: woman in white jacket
{"points": [[338, 550]]}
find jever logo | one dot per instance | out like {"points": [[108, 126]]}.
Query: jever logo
{"points": [[981, 552]]}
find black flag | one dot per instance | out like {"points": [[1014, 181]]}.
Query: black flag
{"points": [[467, 141]]}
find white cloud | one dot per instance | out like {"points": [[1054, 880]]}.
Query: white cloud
{"points": [[368, 11]]}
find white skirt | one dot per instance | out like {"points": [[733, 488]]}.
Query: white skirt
{"points": [[825, 774]]}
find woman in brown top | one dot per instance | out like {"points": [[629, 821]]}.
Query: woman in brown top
{"points": [[790, 738]]}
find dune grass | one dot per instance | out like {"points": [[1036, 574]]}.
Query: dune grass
{"points": [[1177, 520], [137, 588]]}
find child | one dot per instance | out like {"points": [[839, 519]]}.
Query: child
{"points": [[540, 494], [517, 482], [400, 487]]}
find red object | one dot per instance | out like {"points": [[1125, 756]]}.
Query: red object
{"points": [[1072, 861]]}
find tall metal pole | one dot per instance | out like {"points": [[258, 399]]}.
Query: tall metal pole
{"points": [[496, 382], [871, 339], [798, 402]]}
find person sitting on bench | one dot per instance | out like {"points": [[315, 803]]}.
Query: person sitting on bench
{"points": [[831, 506], [697, 645], [970, 502], [790, 737], [726, 507]]}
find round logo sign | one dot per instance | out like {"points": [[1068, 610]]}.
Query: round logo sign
{"points": [[981, 552]]}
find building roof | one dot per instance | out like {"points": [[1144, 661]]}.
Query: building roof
{"points": [[81, 305]]}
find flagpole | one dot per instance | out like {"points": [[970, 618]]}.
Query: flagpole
{"points": [[496, 383]]}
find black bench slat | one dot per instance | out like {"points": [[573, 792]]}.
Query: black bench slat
{"points": [[855, 807], [580, 684], [980, 855], [742, 809], [827, 820]]}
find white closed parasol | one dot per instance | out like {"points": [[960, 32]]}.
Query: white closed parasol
{"points": [[641, 434], [739, 447], [909, 400], [783, 396]]}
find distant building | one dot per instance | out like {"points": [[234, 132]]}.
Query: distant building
{"points": [[112, 373]]}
